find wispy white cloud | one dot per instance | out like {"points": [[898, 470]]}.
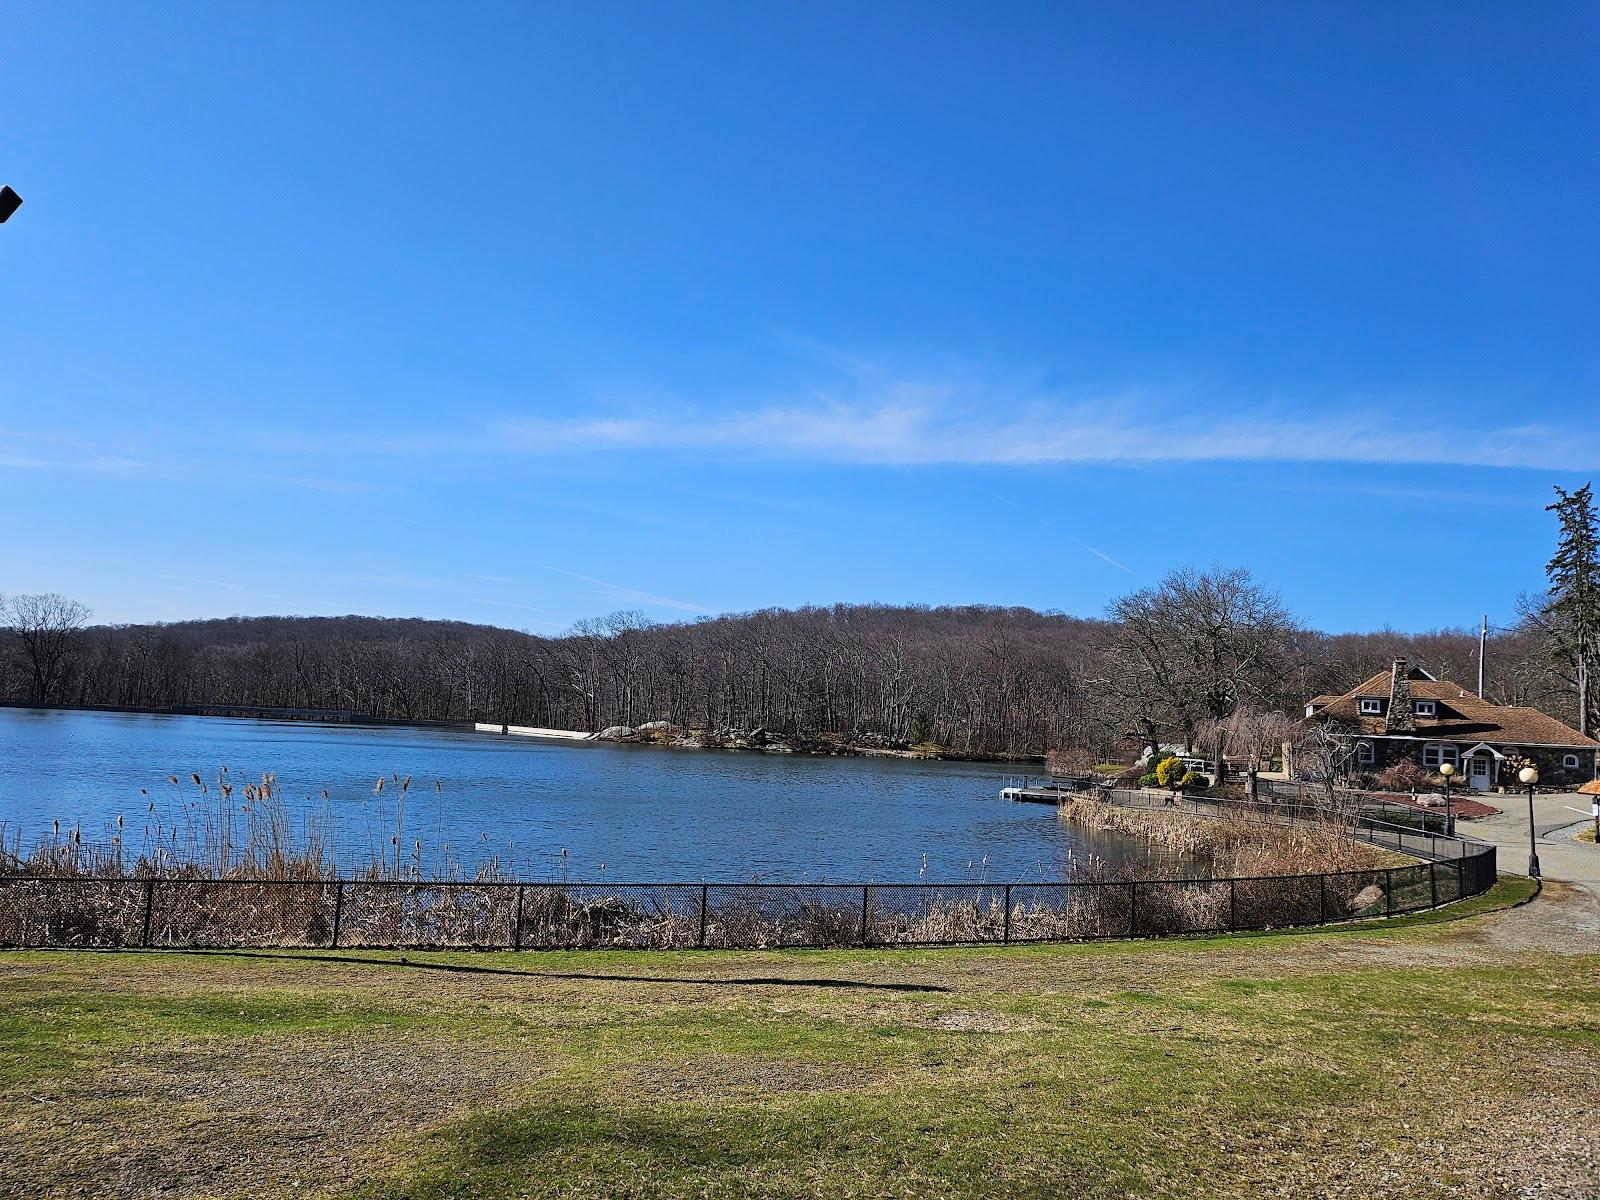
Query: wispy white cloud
{"points": [[1079, 542], [1103, 556], [628, 593], [48, 451], [867, 415], [926, 427], [339, 487], [216, 583], [513, 604]]}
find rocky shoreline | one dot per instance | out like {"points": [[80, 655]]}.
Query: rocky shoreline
{"points": [[766, 741]]}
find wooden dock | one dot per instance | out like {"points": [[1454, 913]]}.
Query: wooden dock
{"points": [[1033, 795], [1045, 791]]}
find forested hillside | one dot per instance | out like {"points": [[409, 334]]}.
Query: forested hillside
{"points": [[975, 679]]}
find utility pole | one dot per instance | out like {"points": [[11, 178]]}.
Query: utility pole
{"points": [[1483, 645]]}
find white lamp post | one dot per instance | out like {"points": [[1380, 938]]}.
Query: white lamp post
{"points": [[1530, 776], [1447, 770]]}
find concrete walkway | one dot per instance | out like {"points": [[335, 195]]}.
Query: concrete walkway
{"points": [[564, 735], [1560, 857]]}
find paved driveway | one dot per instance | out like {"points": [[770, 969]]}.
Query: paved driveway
{"points": [[1560, 857]]}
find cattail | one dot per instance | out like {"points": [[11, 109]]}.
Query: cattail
{"points": [[377, 788]]}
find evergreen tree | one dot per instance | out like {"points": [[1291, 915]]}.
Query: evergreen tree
{"points": [[1573, 609]]}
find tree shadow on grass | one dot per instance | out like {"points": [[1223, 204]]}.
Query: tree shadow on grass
{"points": [[470, 969]]}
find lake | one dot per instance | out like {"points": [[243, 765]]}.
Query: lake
{"points": [[549, 809]]}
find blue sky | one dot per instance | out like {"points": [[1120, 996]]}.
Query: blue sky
{"points": [[526, 313]]}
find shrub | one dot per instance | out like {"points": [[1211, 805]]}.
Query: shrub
{"points": [[1194, 779], [1169, 771], [1405, 777], [1150, 780]]}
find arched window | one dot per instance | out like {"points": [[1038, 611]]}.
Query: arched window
{"points": [[1364, 754], [1435, 754]]}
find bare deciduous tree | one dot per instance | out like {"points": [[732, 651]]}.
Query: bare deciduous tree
{"points": [[1196, 647], [45, 626]]}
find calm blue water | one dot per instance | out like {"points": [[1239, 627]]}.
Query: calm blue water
{"points": [[619, 812]]}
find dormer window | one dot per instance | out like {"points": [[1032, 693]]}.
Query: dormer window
{"points": [[1569, 761], [1370, 707], [1427, 708]]}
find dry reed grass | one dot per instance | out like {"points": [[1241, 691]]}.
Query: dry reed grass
{"points": [[1235, 842]]}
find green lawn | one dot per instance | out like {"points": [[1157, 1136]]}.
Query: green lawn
{"points": [[1362, 1061]]}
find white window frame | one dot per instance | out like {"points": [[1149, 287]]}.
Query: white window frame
{"points": [[1427, 708], [1436, 754], [1371, 708], [1365, 754], [1571, 761]]}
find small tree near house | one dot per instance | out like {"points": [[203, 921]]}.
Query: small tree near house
{"points": [[1170, 772], [1323, 752]]}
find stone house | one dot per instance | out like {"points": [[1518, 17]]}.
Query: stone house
{"points": [[1406, 715]]}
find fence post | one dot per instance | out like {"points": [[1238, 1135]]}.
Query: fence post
{"points": [[1133, 908], [149, 903], [1388, 892], [338, 913], [1461, 879], [1322, 888], [866, 892], [1433, 884], [516, 930], [701, 940], [1233, 904], [1005, 930]]}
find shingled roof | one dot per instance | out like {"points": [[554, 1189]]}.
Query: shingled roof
{"points": [[1461, 715]]}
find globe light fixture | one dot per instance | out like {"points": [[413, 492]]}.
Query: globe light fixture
{"points": [[1530, 776], [1447, 770]]}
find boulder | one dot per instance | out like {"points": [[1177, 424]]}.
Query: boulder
{"points": [[615, 733], [1367, 897]]}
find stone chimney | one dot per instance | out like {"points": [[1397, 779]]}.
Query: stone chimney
{"points": [[1402, 716]]}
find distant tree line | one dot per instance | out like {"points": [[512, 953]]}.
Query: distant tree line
{"points": [[1211, 658], [1198, 654]]}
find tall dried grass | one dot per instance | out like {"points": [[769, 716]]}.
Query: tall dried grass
{"points": [[222, 829], [1235, 842]]}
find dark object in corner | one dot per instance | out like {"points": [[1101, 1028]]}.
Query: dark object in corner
{"points": [[9, 203]]}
